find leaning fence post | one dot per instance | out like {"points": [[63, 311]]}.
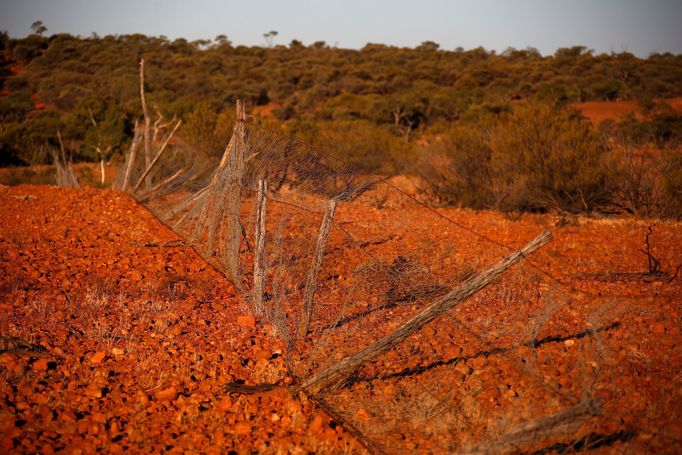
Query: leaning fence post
{"points": [[259, 259], [235, 178], [311, 278]]}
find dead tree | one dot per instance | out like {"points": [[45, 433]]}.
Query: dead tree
{"points": [[311, 277], [336, 375], [259, 257]]}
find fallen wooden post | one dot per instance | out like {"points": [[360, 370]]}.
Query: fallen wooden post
{"points": [[311, 278], [336, 375], [259, 257]]}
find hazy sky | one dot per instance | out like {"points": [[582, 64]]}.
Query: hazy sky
{"points": [[637, 26]]}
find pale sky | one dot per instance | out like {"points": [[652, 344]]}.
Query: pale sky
{"points": [[637, 26]]}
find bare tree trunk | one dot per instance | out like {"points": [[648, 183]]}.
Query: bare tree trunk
{"points": [[334, 376], [147, 126], [311, 278], [101, 170], [259, 257]]}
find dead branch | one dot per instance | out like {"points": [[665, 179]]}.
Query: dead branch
{"points": [[64, 167], [151, 165], [167, 181], [336, 375], [215, 180], [653, 262]]}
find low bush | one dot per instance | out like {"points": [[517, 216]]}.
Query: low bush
{"points": [[533, 158]]}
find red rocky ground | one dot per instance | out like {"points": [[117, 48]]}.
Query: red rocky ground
{"points": [[116, 337]]}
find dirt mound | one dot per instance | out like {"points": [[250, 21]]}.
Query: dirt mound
{"points": [[116, 337]]}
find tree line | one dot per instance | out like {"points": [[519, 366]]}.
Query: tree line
{"points": [[374, 107]]}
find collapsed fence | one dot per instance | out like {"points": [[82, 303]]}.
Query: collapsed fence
{"points": [[365, 285]]}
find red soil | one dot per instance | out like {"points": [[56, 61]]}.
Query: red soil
{"points": [[116, 337], [266, 110], [598, 111]]}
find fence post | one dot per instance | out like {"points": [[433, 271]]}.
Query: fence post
{"points": [[233, 203], [259, 257], [311, 278]]}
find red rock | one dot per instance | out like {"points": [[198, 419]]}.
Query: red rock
{"points": [[166, 394], [67, 416], [248, 322], [98, 357], [316, 424], [93, 391], [262, 354], [479, 362], [242, 428], [40, 365], [658, 329], [224, 404]]}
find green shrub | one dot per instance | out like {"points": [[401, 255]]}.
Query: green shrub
{"points": [[357, 144], [532, 158], [457, 167], [543, 158]]}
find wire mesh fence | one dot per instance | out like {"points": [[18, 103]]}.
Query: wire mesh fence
{"points": [[336, 259]]}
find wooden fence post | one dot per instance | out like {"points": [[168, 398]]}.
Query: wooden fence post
{"points": [[311, 278], [259, 257], [234, 177]]}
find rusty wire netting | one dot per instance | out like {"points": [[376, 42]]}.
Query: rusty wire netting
{"points": [[491, 375]]}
